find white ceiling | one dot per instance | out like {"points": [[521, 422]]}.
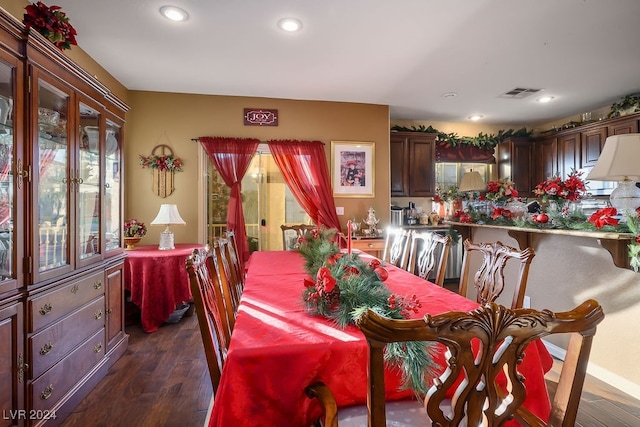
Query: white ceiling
{"points": [[403, 53]]}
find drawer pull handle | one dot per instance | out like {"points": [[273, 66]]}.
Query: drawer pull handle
{"points": [[74, 289], [97, 285], [46, 348], [45, 309], [97, 348], [370, 245], [46, 393], [98, 314]]}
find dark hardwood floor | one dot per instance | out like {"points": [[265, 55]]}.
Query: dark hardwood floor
{"points": [[162, 380]]}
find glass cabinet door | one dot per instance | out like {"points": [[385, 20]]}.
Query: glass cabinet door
{"points": [[53, 181], [87, 182], [7, 191], [112, 187]]}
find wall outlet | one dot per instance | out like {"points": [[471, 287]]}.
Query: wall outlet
{"points": [[526, 303], [340, 210]]}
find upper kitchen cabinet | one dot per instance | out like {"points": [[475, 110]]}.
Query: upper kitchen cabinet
{"points": [[515, 157], [412, 157], [546, 158], [568, 153]]}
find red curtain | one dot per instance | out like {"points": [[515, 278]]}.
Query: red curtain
{"points": [[304, 167], [231, 157]]}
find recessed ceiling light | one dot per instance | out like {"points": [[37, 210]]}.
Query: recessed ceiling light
{"points": [[290, 24], [476, 117], [174, 13], [545, 99]]}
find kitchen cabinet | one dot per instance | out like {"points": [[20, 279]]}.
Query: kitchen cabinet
{"points": [[515, 158], [546, 158], [622, 125], [412, 161], [61, 254], [568, 153], [592, 142]]}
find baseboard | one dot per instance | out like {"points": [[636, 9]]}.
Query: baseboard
{"points": [[614, 380]]}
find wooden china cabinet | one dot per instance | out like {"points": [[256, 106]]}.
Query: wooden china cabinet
{"points": [[61, 256]]}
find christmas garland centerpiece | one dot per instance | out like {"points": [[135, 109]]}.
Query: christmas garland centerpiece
{"points": [[344, 287]]}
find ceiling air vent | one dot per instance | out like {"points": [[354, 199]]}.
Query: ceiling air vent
{"points": [[519, 93]]}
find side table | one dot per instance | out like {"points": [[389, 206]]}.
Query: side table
{"points": [[158, 281]]}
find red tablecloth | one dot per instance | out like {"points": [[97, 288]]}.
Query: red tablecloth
{"points": [[277, 349], [157, 281]]}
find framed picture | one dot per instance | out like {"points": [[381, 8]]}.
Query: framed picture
{"points": [[352, 173]]}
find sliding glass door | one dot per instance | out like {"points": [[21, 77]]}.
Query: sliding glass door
{"points": [[266, 200]]}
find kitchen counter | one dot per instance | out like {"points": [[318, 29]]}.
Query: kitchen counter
{"points": [[615, 243]]}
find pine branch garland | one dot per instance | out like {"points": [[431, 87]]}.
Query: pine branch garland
{"points": [[359, 289]]}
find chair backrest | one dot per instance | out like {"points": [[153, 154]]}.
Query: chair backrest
{"points": [[396, 245], [209, 304], [236, 270], [482, 345], [230, 235], [291, 234], [489, 279], [426, 249], [230, 290]]}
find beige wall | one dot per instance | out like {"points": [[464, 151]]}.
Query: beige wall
{"points": [[174, 119]]}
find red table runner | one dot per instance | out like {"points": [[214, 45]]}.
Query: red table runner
{"points": [[158, 281], [277, 349]]}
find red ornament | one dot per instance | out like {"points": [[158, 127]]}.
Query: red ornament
{"points": [[542, 218], [382, 273]]}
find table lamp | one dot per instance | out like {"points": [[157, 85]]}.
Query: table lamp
{"points": [[619, 162], [472, 181], [167, 215]]}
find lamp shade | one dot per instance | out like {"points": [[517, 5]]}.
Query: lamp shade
{"points": [[619, 159], [472, 181], [168, 215]]}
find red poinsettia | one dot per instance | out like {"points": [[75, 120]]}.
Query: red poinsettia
{"points": [[603, 217], [572, 189], [52, 23], [501, 212], [501, 191], [325, 282]]}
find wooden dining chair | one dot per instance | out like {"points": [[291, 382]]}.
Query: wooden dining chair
{"points": [[489, 280], [239, 266], [291, 234], [209, 308], [481, 346], [230, 290], [428, 253], [396, 245], [236, 269]]}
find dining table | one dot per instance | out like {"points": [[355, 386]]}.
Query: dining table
{"points": [[277, 348]]}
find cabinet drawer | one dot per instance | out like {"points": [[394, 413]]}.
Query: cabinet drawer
{"points": [[47, 390], [51, 306], [368, 245], [51, 344]]}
